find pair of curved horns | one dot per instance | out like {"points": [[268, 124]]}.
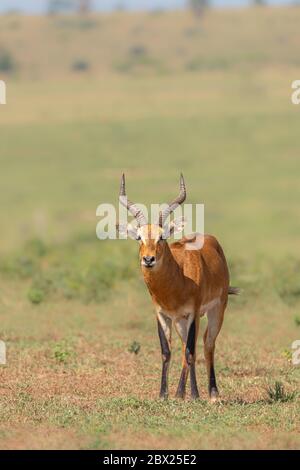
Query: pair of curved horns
{"points": [[163, 215]]}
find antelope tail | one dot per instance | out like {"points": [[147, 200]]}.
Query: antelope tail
{"points": [[233, 290]]}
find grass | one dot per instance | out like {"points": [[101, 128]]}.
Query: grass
{"points": [[134, 347], [211, 99], [6, 62]]}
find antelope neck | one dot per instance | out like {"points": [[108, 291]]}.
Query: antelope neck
{"points": [[166, 279]]}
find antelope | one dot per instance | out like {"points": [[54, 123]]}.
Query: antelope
{"points": [[184, 284]]}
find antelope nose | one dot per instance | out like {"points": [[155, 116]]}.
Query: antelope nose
{"points": [[148, 260]]}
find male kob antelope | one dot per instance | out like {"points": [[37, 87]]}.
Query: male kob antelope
{"points": [[185, 281]]}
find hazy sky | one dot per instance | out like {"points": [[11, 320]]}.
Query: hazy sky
{"points": [[33, 6]]}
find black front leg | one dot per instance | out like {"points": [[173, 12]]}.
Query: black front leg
{"points": [[165, 351], [180, 393], [189, 359], [212, 387]]}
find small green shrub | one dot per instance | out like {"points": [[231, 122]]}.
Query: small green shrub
{"points": [[134, 347], [62, 352], [36, 296], [277, 393], [7, 64], [297, 320]]}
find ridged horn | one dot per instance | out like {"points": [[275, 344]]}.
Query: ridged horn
{"points": [[174, 204], [130, 206]]}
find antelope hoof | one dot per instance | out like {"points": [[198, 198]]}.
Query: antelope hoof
{"points": [[180, 396], [164, 396]]}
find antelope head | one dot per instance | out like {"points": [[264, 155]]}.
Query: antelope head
{"points": [[152, 237]]}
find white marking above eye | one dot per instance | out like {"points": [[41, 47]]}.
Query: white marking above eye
{"points": [[147, 233]]}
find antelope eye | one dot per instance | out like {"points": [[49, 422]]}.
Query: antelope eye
{"points": [[138, 238]]}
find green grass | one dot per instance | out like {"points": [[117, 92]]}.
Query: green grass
{"points": [[83, 364]]}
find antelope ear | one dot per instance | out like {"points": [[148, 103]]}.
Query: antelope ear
{"points": [[176, 226], [125, 230]]}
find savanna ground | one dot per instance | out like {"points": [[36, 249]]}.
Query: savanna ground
{"points": [[150, 94]]}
